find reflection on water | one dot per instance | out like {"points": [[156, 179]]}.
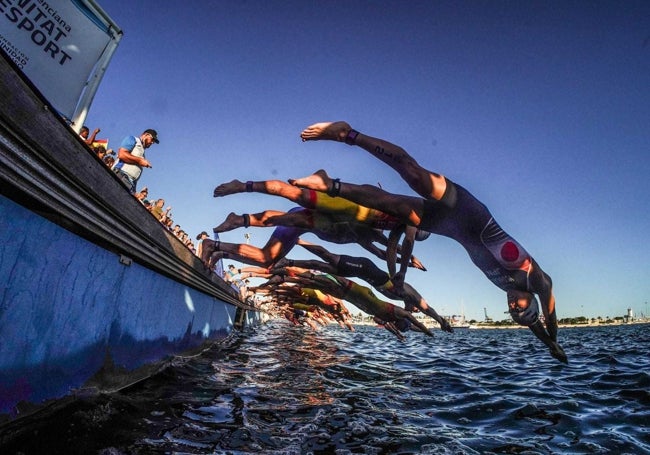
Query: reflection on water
{"points": [[282, 389]]}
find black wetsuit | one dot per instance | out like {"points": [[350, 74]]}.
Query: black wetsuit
{"points": [[363, 268], [462, 217]]}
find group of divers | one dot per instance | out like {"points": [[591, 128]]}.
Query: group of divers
{"points": [[341, 212]]}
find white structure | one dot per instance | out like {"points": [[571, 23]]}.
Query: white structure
{"points": [[63, 47]]}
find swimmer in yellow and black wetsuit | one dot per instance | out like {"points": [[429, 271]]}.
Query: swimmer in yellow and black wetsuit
{"points": [[360, 296], [364, 268]]}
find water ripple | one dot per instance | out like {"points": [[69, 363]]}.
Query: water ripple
{"points": [[283, 390]]}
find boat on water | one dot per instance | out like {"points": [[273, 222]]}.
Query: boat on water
{"points": [[95, 293], [459, 322]]}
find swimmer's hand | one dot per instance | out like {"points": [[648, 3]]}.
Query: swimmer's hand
{"points": [[557, 352], [415, 262], [445, 326]]}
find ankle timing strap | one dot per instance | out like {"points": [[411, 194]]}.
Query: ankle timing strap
{"points": [[336, 188]]}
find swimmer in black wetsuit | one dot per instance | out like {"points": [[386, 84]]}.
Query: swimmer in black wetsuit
{"points": [[350, 266], [360, 296], [284, 238], [447, 209], [325, 213]]}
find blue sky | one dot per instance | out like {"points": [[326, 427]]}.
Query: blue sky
{"points": [[541, 109]]}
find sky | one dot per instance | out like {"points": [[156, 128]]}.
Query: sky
{"points": [[540, 108]]}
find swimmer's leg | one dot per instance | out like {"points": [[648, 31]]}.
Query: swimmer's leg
{"points": [[234, 221], [272, 187], [407, 208], [427, 184]]}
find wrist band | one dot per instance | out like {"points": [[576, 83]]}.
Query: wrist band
{"points": [[249, 186], [351, 138], [247, 220]]}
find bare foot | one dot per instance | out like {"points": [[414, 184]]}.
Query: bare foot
{"points": [[208, 247], [318, 181], [415, 262], [332, 131], [216, 256], [232, 187], [233, 221]]}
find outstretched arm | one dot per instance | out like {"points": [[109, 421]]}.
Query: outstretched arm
{"points": [[391, 249], [93, 137], [403, 314], [390, 327], [542, 285], [368, 243], [406, 248]]}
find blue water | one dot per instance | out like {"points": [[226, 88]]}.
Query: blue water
{"points": [[285, 390]]}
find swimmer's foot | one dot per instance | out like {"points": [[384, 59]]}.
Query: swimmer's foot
{"points": [[332, 131], [215, 257], [232, 187], [208, 247], [415, 263], [318, 181], [233, 221], [274, 280]]}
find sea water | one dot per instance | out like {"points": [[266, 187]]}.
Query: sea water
{"points": [[280, 389]]}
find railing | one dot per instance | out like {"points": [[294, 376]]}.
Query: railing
{"points": [[46, 167]]}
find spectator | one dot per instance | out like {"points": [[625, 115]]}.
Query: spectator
{"points": [[168, 223], [232, 276], [202, 236], [166, 215], [131, 157], [142, 194], [85, 132], [176, 230], [157, 209], [109, 160], [100, 150]]}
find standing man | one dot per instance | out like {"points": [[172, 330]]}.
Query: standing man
{"points": [[131, 157]]}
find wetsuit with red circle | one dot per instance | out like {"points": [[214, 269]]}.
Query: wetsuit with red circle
{"points": [[462, 217]]}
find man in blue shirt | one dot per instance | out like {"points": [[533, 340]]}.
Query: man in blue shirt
{"points": [[131, 157]]}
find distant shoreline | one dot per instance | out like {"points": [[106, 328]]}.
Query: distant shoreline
{"points": [[493, 327]]}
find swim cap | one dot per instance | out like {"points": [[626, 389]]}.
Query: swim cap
{"points": [[526, 316], [421, 235]]}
